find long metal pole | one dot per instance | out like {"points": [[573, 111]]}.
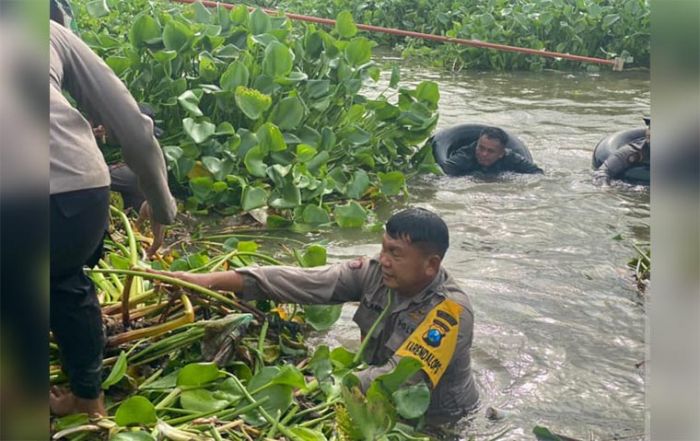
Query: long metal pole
{"points": [[617, 64]]}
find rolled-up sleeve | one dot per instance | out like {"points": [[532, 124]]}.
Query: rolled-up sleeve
{"points": [[329, 284]]}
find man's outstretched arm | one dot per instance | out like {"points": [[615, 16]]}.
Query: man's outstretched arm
{"points": [[322, 285]]}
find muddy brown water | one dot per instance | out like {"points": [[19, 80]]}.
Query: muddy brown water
{"points": [[560, 326]]}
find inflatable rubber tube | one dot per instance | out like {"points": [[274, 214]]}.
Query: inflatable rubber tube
{"points": [[609, 145], [446, 140]]}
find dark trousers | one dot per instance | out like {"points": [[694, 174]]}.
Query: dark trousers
{"points": [[79, 220]]}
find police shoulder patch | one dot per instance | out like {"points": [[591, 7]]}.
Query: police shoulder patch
{"points": [[434, 341]]}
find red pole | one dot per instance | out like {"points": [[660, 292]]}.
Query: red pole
{"points": [[617, 63]]}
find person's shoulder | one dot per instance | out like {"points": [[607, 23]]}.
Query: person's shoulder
{"points": [[517, 162], [367, 269], [514, 156], [55, 27], [468, 147], [371, 261], [450, 290], [64, 40], [58, 31], [636, 145]]}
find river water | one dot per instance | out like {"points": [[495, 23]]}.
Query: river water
{"points": [[559, 325]]}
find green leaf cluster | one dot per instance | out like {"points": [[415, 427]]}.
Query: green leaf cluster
{"points": [[597, 28], [219, 373], [262, 112]]}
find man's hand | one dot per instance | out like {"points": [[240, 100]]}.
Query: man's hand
{"points": [[100, 133], [145, 212]]}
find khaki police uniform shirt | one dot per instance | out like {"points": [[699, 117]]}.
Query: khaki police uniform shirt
{"points": [[76, 162], [361, 280]]}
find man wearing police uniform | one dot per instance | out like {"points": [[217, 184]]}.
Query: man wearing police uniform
{"points": [[430, 316], [631, 155]]}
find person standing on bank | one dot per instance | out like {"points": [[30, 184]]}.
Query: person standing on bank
{"points": [[488, 155], [430, 316], [79, 203]]}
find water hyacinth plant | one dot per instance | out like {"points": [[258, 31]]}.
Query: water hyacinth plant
{"points": [[261, 112], [193, 364], [597, 28]]}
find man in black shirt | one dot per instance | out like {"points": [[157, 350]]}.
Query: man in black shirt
{"points": [[488, 155]]}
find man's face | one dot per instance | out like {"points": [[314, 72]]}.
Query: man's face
{"points": [[406, 268], [488, 151]]}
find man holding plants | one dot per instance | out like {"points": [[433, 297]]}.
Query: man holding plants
{"points": [[79, 203], [488, 155], [429, 316]]}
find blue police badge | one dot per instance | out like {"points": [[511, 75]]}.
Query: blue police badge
{"points": [[433, 337]]}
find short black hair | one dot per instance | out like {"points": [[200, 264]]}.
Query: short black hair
{"points": [[424, 228], [495, 133]]}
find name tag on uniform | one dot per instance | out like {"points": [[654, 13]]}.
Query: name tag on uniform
{"points": [[434, 341]]}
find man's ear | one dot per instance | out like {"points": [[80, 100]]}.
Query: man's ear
{"points": [[433, 266]]}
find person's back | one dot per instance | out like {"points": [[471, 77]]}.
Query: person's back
{"points": [[76, 162], [79, 203]]}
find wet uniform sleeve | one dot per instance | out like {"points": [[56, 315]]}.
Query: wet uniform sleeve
{"points": [[102, 95], [457, 359], [520, 164], [619, 162], [329, 284]]}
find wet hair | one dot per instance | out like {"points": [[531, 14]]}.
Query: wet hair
{"points": [[423, 228], [495, 133]]}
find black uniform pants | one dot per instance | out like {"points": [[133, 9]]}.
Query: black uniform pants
{"points": [[79, 220]]}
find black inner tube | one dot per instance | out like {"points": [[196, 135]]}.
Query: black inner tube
{"points": [[611, 143], [445, 141]]}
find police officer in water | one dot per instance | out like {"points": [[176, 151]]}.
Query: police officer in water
{"points": [[630, 155], [430, 316], [488, 155]]}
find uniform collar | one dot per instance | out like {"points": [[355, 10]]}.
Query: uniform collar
{"points": [[425, 294], [430, 289]]}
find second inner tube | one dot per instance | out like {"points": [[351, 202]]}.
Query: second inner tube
{"points": [[446, 140], [609, 145]]}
